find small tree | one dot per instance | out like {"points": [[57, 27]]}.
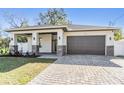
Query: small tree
{"points": [[54, 16], [118, 35]]}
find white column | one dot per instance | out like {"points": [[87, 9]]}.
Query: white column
{"points": [[13, 43], [60, 38], [35, 43], [13, 39], [29, 44], [35, 38], [61, 48]]}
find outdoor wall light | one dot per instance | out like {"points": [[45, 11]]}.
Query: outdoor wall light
{"points": [[110, 38], [59, 37], [11, 39], [33, 38]]}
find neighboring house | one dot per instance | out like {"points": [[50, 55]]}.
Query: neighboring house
{"points": [[66, 39]]}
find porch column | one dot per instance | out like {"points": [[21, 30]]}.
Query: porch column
{"points": [[35, 43], [13, 43], [61, 48], [29, 38], [109, 44]]}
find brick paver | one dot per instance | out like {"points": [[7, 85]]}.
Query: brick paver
{"points": [[83, 69]]}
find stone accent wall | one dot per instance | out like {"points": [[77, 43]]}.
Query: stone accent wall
{"points": [[13, 48], [35, 49], [110, 50], [61, 50]]}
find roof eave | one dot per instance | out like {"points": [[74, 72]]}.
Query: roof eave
{"points": [[93, 29], [65, 28], [36, 28]]}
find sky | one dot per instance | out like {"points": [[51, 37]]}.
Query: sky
{"points": [[82, 16]]}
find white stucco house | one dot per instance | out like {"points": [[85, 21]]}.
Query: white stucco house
{"points": [[66, 39]]}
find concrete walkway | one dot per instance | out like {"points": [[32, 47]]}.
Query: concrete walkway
{"points": [[49, 56], [83, 69]]}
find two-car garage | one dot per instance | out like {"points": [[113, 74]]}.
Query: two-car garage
{"points": [[86, 45]]}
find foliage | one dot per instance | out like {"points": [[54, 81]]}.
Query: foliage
{"points": [[4, 42], [4, 51], [54, 16], [22, 39], [4, 45], [118, 35]]}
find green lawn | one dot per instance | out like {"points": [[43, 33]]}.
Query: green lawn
{"points": [[16, 70]]}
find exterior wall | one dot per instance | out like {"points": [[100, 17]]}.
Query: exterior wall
{"points": [[110, 50], [23, 47], [35, 49], [60, 43], [119, 48], [13, 47], [61, 50], [13, 38], [46, 43], [62, 39], [109, 40], [33, 32], [35, 38]]}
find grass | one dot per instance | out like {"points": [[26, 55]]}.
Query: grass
{"points": [[17, 70]]}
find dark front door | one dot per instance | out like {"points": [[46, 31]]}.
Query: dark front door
{"points": [[86, 45]]}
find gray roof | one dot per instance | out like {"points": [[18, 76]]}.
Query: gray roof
{"points": [[66, 27], [89, 27]]}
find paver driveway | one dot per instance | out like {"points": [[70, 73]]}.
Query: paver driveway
{"points": [[83, 69]]}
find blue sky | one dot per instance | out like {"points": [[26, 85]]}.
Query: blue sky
{"points": [[84, 16]]}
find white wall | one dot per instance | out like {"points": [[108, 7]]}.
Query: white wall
{"points": [[60, 37], [35, 38], [46, 43], [13, 38], [23, 47], [46, 38], [119, 48], [34, 34]]}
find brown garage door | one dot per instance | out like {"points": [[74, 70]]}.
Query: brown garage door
{"points": [[86, 45]]}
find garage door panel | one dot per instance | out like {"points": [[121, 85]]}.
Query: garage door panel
{"points": [[86, 45]]}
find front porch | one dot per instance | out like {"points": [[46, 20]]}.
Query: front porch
{"points": [[39, 43]]}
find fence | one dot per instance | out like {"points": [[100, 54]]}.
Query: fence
{"points": [[119, 48]]}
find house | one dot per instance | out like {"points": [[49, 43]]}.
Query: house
{"points": [[66, 39]]}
